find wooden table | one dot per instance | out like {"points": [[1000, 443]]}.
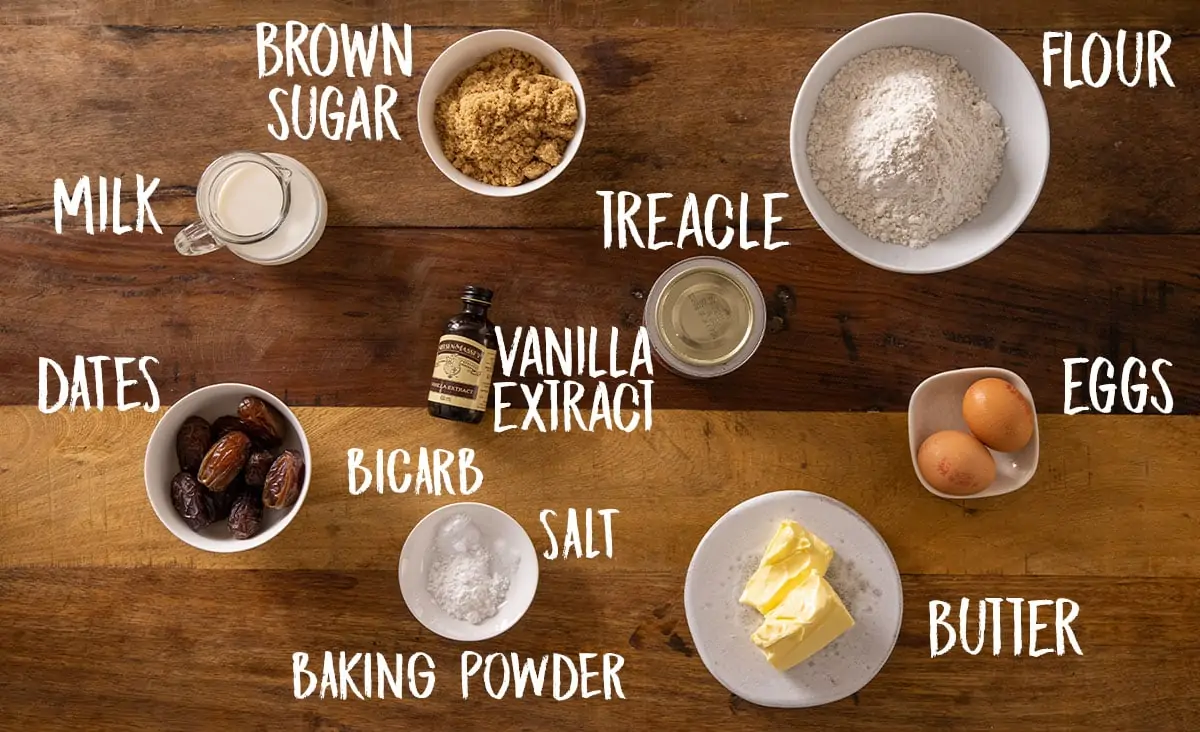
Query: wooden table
{"points": [[107, 622]]}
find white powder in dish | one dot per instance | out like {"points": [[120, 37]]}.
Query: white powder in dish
{"points": [[461, 577], [905, 145]]}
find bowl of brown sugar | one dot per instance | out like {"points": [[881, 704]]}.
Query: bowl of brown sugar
{"points": [[501, 113]]}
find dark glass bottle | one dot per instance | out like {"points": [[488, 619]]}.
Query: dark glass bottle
{"points": [[466, 355]]}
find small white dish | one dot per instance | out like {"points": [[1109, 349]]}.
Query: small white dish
{"points": [[162, 464], [1010, 88], [460, 56], [509, 544], [863, 573], [936, 405], [657, 321]]}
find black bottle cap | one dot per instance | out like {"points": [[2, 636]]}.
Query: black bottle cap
{"points": [[476, 293]]}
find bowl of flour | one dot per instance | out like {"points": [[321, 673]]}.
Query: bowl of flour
{"points": [[468, 571], [919, 142]]}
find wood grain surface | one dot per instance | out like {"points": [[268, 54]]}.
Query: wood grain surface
{"points": [[729, 97], [355, 321], [601, 15], [179, 649], [1117, 479], [108, 622]]}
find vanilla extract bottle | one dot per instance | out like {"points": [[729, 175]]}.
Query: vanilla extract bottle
{"points": [[466, 355]]}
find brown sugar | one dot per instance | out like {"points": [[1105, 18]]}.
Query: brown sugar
{"points": [[505, 120]]}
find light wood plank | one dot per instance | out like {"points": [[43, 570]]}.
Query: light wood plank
{"points": [[1123, 486]]}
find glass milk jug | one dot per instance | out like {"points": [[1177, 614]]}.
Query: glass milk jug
{"points": [[266, 208]]}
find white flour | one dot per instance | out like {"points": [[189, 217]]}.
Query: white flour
{"points": [[904, 144], [461, 578]]}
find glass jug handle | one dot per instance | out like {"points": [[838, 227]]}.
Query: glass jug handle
{"points": [[195, 239]]}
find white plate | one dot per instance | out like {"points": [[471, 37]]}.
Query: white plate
{"points": [[936, 405], [863, 573], [509, 544]]}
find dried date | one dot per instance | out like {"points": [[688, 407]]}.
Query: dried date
{"points": [[245, 518], [264, 422], [192, 443], [224, 425], [257, 467], [192, 501], [284, 479], [225, 459], [223, 501]]}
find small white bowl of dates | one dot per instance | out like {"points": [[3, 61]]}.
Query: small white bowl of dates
{"points": [[227, 467]]}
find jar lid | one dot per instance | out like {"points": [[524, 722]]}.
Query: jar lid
{"points": [[475, 293], [706, 316]]}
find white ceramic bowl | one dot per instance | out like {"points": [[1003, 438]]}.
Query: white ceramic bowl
{"points": [[460, 56], [509, 544], [162, 464], [936, 405], [1009, 86]]}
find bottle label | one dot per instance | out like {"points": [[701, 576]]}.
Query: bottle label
{"points": [[462, 373]]}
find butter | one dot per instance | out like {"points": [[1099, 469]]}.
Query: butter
{"points": [[809, 618], [790, 557]]}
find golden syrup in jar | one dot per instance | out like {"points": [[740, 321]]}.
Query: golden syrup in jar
{"points": [[705, 317]]}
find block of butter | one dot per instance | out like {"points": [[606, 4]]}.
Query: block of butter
{"points": [[809, 618], [792, 555]]}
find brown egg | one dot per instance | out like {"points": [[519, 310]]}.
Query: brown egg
{"points": [[998, 415], [956, 463]]}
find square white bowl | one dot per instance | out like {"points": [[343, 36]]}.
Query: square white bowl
{"points": [[1010, 88], [936, 405]]}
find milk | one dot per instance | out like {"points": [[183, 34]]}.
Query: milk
{"points": [[249, 199]]}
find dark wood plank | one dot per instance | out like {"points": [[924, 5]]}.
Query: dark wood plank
{"points": [[168, 649], [678, 110], [354, 322], [609, 14]]}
